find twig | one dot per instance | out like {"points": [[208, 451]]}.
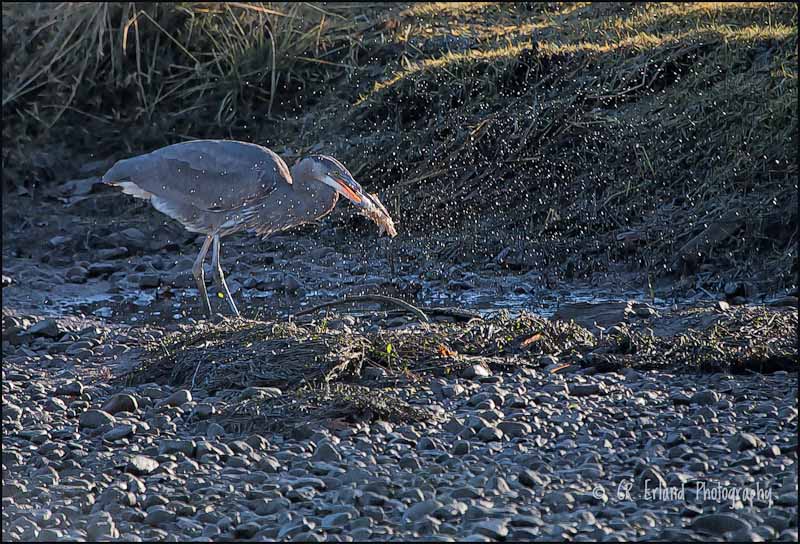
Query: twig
{"points": [[195, 374], [368, 298]]}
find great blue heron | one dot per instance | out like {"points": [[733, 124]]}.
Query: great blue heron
{"points": [[218, 187]]}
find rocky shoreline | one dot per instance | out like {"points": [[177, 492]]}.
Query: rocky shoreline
{"points": [[517, 454]]}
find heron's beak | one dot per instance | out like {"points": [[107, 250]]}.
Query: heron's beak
{"points": [[348, 188]]}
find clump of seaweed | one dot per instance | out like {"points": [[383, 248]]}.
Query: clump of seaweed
{"points": [[742, 339], [318, 372], [244, 353], [525, 335]]}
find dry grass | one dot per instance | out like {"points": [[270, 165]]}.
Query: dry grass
{"points": [[124, 76]]}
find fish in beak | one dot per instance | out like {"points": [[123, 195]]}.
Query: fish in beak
{"points": [[368, 204]]}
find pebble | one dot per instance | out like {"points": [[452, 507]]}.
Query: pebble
{"points": [[119, 432], [745, 441], [717, 524], [121, 403], [141, 465], [704, 398], [70, 389], [587, 389], [158, 515], [93, 419], [46, 327], [327, 452], [178, 398], [475, 371]]}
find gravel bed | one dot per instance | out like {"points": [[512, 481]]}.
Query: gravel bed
{"points": [[520, 455]]}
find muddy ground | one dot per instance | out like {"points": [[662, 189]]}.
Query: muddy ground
{"points": [[525, 408]]}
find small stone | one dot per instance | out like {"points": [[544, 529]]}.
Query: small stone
{"points": [[558, 498], [260, 392], [326, 452], [11, 412], [336, 520], [159, 515], [419, 510], [291, 283], [167, 446], [118, 432], [529, 478], [203, 410], [149, 280], [490, 434], [705, 397], [101, 528], [115, 495], [426, 443], [452, 390], [460, 447], [141, 465], [92, 419], [587, 389], [651, 478], [787, 499], [409, 463], [645, 311], [121, 403], [718, 524], [515, 429], [46, 327], [51, 535], [70, 389], [493, 528], [745, 441], [475, 371], [76, 274], [112, 253], [215, 430], [246, 530], [179, 397], [102, 269]]}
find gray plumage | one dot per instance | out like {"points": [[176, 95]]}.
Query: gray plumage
{"points": [[219, 187]]}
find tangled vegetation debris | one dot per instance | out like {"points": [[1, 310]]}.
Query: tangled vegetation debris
{"points": [[244, 353]]}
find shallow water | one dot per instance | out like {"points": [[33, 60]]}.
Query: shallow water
{"points": [[486, 301]]}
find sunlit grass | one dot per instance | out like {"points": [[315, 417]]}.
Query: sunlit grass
{"points": [[640, 33], [447, 9]]}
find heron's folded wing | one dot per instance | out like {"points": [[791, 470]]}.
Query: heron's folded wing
{"points": [[211, 175]]}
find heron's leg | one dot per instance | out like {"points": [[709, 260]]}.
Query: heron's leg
{"points": [[219, 277], [199, 276]]}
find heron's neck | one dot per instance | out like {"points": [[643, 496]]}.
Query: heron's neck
{"points": [[312, 200]]}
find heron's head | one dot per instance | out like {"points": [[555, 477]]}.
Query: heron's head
{"points": [[331, 172]]}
